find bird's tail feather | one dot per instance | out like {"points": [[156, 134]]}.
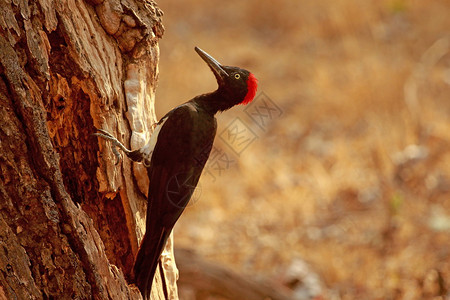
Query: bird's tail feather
{"points": [[147, 261]]}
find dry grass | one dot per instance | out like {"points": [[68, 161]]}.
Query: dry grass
{"points": [[325, 181]]}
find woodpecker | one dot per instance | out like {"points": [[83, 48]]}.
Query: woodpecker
{"points": [[175, 156]]}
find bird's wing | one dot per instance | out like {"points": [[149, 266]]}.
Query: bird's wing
{"points": [[180, 153]]}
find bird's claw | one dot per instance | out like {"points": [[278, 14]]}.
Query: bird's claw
{"points": [[117, 154], [115, 143]]}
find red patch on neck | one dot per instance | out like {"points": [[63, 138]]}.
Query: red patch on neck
{"points": [[252, 86]]}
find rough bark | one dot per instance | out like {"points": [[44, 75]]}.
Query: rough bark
{"points": [[70, 219]]}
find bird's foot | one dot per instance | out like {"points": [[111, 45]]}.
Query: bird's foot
{"points": [[115, 143]]}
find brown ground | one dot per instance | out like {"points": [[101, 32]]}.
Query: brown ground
{"points": [[352, 174]]}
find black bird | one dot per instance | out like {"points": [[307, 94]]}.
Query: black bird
{"points": [[175, 156]]}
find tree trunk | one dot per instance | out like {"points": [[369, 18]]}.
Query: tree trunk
{"points": [[70, 219]]}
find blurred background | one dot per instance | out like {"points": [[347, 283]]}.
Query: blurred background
{"points": [[345, 172]]}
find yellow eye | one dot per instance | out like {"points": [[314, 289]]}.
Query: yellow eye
{"points": [[237, 75]]}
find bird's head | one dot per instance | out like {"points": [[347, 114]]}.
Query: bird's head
{"points": [[238, 85]]}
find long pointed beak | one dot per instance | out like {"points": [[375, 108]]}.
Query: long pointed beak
{"points": [[215, 66]]}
